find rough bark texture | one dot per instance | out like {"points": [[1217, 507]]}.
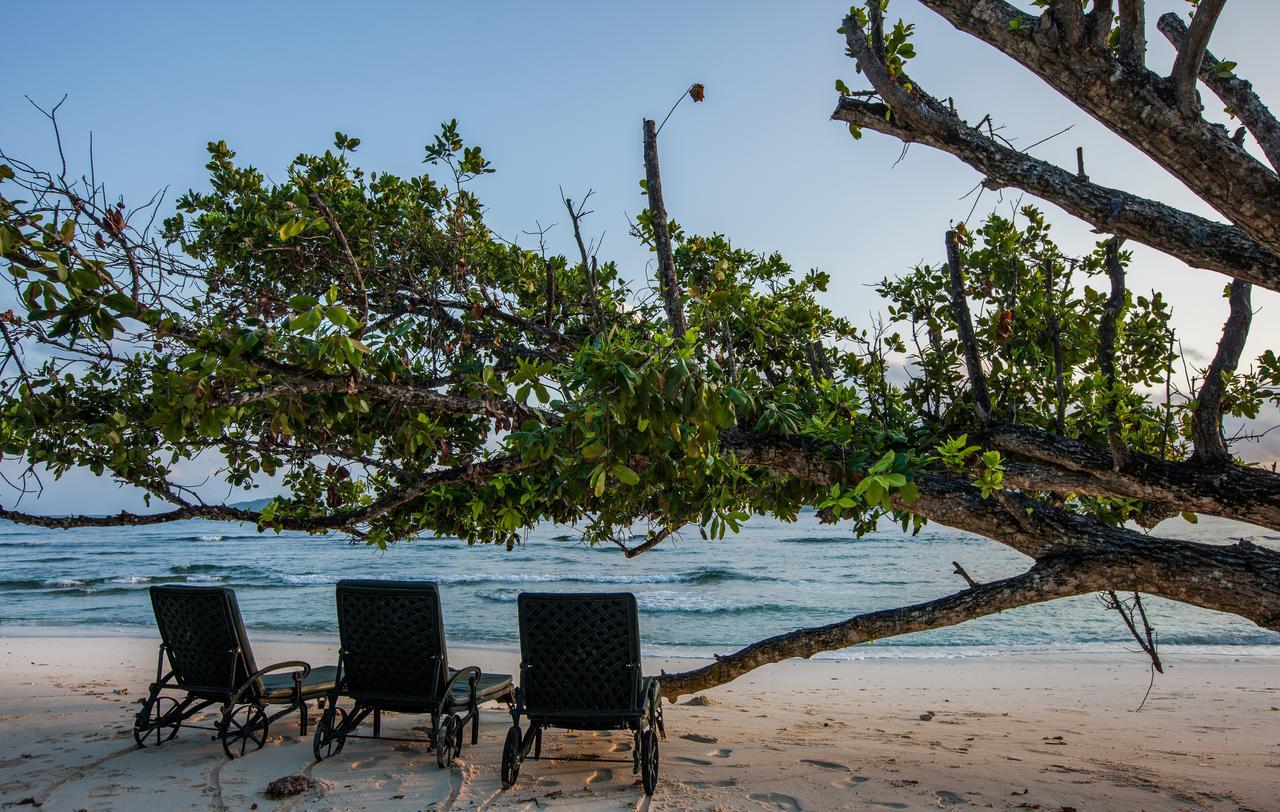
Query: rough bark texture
{"points": [[1137, 105], [1234, 92], [1073, 555], [1233, 492]]}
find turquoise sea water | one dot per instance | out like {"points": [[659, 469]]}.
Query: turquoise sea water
{"points": [[696, 597]]}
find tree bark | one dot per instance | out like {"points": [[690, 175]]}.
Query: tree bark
{"points": [[1135, 104], [672, 296]]}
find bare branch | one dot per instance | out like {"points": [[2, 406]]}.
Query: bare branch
{"points": [[964, 326], [672, 296]]}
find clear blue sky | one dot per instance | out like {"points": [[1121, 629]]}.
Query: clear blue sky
{"points": [[555, 92]]}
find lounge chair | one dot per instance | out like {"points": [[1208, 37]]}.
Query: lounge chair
{"points": [[580, 670], [209, 658], [393, 658]]}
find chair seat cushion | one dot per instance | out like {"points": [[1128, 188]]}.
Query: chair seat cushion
{"points": [[488, 687], [279, 686]]}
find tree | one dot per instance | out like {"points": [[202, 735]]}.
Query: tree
{"points": [[367, 338]]}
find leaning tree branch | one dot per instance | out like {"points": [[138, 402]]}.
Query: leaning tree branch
{"points": [[1210, 446], [1234, 92], [1137, 105], [1075, 467], [1199, 242], [1173, 569]]}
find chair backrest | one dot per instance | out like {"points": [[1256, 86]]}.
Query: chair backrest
{"points": [[202, 629], [579, 653], [392, 635]]}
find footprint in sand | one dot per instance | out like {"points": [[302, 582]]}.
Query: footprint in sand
{"points": [[889, 805], [723, 752], [599, 776], [776, 800], [620, 747], [697, 762], [855, 780], [699, 738], [826, 765]]}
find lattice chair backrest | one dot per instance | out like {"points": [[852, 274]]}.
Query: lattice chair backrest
{"points": [[392, 635], [204, 633], [579, 652]]}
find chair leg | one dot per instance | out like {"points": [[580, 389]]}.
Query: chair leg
{"points": [[475, 726], [377, 722], [302, 719], [537, 743]]}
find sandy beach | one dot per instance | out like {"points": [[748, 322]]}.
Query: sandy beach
{"points": [[1035, 732]]}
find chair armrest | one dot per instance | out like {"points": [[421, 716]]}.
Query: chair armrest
{"points": [[472, 673], [300, 672]]}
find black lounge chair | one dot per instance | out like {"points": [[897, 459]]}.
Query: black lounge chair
{"points": [[580, 670], [393, 658], [203, 640]]}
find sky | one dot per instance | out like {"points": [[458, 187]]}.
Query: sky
{"points": [[555, 93]]}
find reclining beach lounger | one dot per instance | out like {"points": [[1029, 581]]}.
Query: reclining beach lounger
{"points": [[204, 643], [393, 658], [580, 670]]}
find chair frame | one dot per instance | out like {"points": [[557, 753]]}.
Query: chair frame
{"points": [[337, 724], [244, 719], [643, 718]]}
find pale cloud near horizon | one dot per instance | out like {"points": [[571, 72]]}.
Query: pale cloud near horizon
{"points": [[555, 93]]}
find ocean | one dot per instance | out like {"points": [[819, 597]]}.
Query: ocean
{"points": [[696, 597]]}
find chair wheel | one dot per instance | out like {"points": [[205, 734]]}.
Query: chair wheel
{"points": [[649, 760], [243, 728], [448, 740], [511, 757], [157, 721], [330, 736]]}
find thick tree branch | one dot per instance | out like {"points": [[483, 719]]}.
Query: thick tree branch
{"points": [[1234, 92], [1173, 569], [1234, 492], [1137, 105], [1198, 242]]}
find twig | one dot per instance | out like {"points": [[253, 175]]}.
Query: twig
{"points": [[959, 570]]}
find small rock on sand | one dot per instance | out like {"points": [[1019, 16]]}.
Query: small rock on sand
{"points": [[702, 701], [288, 786]]}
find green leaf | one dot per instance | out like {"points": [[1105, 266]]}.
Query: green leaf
{"points": [[593, 451], [625, 475], [292, 228]]}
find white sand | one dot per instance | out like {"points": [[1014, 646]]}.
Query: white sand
{"points": [[1039, 732]]}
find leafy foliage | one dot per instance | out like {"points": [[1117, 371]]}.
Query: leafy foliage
{"points": [[367, 339]]}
